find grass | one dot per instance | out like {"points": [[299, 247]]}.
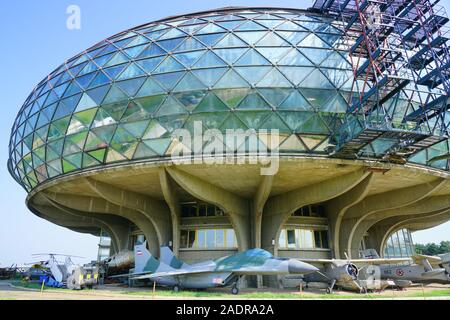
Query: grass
{"points": [[278, 295], [256, 295]]}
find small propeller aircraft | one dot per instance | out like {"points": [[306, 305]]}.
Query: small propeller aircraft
{"points": [[423, 269], [222, 272], [345, 274]]}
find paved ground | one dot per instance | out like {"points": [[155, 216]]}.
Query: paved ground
{"points": [[114, 292]]}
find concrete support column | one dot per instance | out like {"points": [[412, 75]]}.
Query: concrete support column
{"points": [[236, 208], [173, 202], [336, 208], [279, 208]]}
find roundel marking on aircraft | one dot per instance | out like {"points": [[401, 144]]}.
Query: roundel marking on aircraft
{"points": [[399, 272]]}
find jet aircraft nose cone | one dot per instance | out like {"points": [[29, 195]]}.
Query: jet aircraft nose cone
{"points": [[296, 266]]}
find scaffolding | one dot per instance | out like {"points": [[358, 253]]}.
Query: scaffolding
{"points": [[399, 97]]}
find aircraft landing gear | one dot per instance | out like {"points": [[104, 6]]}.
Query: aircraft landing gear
{"points": [[329, 290], [363, 290], [234, 290], [176, 288]]}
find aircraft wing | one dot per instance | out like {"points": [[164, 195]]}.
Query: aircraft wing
{"points": [[178, 272], [419, 258], [377, 261]]}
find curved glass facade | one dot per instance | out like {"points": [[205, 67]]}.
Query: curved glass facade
{"points": [[399, 245], [121, 100]]}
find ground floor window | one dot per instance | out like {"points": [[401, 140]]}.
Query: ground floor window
{"points": [[208, 238], [300, 238]]}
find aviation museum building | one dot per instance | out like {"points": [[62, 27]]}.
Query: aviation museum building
{"points": [[347, 103]]}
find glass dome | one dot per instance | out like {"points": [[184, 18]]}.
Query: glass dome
{"points": [[120, 100]]}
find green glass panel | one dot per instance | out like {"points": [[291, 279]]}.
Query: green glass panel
{"points": [[232, 97], [115, 110], [113, 156], [253, 119], [274, 122], [149, 104], [54, 149], [295, 74], [149, 88], [54, 168], [292, 144], [314, 125], [104, 133], [70, 148], [121, 136], [172, 122], [231, 80], [170, 107], [209, 76], [274, 79], [316, 79], [86, 102], [275, 96], [295, 101], [85, 117], [136, 128], [158, 145], [295, 119], [115, 95], [89, 161], [211, 103], [142, 151], [154, 130], [190, 99], [253, 101], [210, 120], [189, 83], [72, 162], [98, 154], [253, 74], [126, 149]]}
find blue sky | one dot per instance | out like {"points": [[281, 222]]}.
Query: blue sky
{"points": [[35, 41]]}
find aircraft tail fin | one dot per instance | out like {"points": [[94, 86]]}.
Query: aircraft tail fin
{"points": [[169, 258], [145, 262]]}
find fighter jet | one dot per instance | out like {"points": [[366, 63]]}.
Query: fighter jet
{"points": [[345, 274], [221, 272]]}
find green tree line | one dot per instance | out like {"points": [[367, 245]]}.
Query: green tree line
{"points": [[432, 249]]}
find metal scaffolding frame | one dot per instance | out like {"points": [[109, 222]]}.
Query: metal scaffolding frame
{"points": [[399, 98]]}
